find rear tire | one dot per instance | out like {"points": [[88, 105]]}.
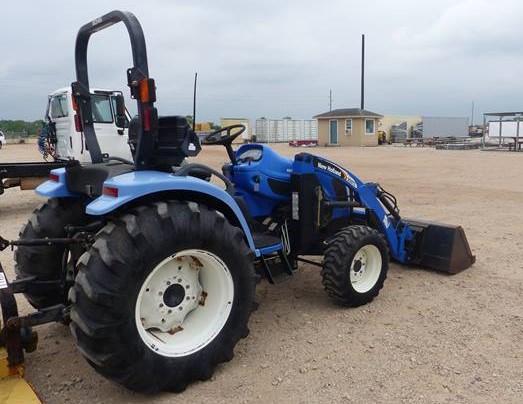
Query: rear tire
{"points": [[355, 265], [120, 279], [45, 262]]}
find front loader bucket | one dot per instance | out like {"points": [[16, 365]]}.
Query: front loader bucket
{"points": [[442, 247]]}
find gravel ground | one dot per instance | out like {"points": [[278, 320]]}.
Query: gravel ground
{"points": [[429, 337]]}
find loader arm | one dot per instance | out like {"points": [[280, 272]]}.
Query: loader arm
{"points": [[367, 195], [439, 246]]}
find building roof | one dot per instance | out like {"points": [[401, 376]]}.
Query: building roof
{"points": [[350, 113]]}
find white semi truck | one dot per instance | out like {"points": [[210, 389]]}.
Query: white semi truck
{"points": [[110, 128], [111, 121]]}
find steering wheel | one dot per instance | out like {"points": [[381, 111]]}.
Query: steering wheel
{"points": [[225, 137], [219, 138]]}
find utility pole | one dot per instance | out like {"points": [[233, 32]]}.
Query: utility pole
{"points": [[330, 100], [362, 106], [472, 115], [194, 102]]}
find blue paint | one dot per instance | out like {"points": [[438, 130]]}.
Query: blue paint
{"points": [[53, 189], [396, 232], [252, 179], [134, 185]]}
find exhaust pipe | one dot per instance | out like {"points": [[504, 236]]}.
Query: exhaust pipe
{"points": [[440, 246]]}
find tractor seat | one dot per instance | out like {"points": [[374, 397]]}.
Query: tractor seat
{"points": [[88, 179]]}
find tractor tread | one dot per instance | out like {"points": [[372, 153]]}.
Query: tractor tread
{"points": [[336, 263], [109, 278]]}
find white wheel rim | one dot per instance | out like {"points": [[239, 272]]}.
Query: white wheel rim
{"points": [[184, 303], [365, 268]]}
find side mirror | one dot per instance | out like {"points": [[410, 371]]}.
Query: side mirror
{"points": [[120, 118]]}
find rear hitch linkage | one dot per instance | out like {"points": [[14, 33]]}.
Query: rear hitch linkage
{"points": [[17, 334], [76, 235]]}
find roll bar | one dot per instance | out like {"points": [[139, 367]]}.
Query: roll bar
{"points": [[142, 87]]}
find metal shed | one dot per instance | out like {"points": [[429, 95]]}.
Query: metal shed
{"points": [[501, 127], [285, 130]]}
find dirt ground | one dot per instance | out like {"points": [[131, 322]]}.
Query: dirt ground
{"points": [[428, 337]]}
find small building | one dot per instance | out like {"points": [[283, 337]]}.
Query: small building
{"points": [[245, 136], [348, 127]]}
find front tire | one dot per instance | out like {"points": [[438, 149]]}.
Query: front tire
{"points": [[355, 265], [163, 296]]}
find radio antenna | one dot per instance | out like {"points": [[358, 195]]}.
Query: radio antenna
{"points": [[194, 102]]}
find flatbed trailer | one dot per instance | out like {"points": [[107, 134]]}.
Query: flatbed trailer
{"points": [[26, 175]]}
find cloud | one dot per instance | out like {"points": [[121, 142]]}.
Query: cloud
{"points": [[276, 58]]}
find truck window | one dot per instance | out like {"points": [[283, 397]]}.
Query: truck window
{"points": [[101, 107], [59, 106]]}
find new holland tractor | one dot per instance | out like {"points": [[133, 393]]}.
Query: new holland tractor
{"points": [[154, 266]]}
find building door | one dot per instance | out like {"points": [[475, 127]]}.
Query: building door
{"points": [[333, 138]]}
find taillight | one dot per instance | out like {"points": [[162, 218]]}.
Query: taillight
{"points": [[75, 103], [54, 177], [147, 119], [78, 123], [110, 191]]}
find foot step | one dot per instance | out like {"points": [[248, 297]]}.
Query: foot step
{"points": [[277, 267]]}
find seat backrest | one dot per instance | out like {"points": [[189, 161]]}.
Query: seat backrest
{"points": [[176, 141]]}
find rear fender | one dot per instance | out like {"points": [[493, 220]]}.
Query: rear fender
{"points": [[55, 188], [140, 184]]}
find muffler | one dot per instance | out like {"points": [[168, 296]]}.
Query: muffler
{"points": [[442, 247]]}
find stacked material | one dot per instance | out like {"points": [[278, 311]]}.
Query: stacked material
{"points": [[398, 132]]}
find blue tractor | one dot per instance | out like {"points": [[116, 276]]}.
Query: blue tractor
{"points": [[154, 266]]}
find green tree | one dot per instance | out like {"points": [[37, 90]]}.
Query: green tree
{"points": [[20, 127]]}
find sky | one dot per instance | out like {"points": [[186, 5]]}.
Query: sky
{"points": [[276, 58]]}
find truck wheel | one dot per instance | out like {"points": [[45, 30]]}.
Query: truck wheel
{"points": [[355, 265], [45, 262], [163, 296]]}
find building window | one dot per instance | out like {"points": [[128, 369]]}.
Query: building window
{"points": [[369, 126], [348, 126]]}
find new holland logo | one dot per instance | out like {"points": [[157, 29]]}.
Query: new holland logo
{"points": [[334, 169], [330, 168]]}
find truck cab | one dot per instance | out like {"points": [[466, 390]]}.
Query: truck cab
{"points": [[70, 143]]}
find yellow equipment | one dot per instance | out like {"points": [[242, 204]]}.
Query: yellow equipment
{"points": [[13, 388]]}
